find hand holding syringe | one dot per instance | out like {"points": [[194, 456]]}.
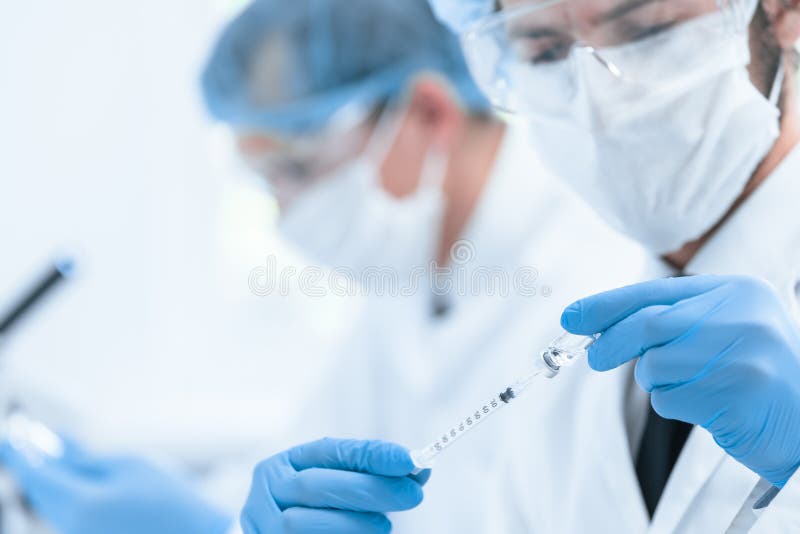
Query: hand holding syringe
{"points": [[561, 352]]}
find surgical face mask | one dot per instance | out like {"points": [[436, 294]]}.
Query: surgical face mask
{"points": [[661, 162], [348, 220]]}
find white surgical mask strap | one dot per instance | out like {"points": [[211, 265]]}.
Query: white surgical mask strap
{"points": [[385, 133], [383, 136], [434, 170], [777, 85]]}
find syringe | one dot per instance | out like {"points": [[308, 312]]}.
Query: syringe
{"points": [[561, 352]]}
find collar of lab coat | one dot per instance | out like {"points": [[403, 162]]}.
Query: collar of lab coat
{"points": [[511, 214], [762, 237], [515, 204]]}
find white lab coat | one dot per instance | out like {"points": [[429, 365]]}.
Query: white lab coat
{"points": [[407, 377], [578, 475]]}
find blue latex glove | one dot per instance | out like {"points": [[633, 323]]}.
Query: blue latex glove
{"points": [[332, 486], [81, 493], [716, 351]]}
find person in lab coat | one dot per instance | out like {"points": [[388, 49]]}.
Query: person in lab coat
{"points": [[678, 122], [378, 146], [429, 177]]}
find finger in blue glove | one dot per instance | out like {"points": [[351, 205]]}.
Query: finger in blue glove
{"points": [[84, 493], [716, 351], [332, 486]]}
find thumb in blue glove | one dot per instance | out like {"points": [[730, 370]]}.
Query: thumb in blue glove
{"points": [[716, 351], [332, 486], [82, 493]]}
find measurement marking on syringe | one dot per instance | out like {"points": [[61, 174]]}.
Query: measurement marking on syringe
{"points": [[470, 421]]}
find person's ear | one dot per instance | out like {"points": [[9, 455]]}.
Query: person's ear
{"points": [[434, 107], [784, 19]]}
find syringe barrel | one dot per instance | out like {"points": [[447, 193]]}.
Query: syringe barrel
{"points": [[561, 352], [564, 350], [423, 458]]}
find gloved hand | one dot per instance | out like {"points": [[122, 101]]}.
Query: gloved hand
{"points": [[81, 493], [332, 486], [716, 351]]}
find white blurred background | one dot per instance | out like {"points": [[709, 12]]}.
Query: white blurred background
{"points": [[106, 153]]}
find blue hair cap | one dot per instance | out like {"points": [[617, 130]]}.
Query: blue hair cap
{"points": [[288, 66], [459, 15]]}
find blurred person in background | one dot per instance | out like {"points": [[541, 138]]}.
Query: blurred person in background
{"points": [[388, 168]]}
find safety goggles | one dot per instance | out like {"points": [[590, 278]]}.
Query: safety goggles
{"points": [[292, 165], [531, 53]]}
